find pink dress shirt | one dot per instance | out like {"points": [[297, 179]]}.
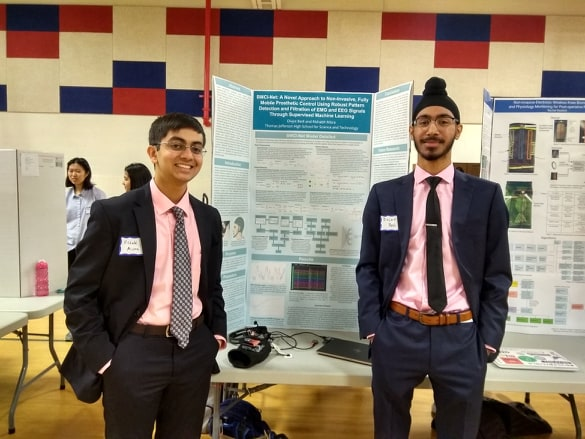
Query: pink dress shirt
{"points": [[412, 285], [158, 311]]}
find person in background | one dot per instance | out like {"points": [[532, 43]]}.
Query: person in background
{"points": [[122, 297], [411, 336], [79, 196], [135, 175]]}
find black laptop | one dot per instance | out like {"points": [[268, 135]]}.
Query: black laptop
{"points": [[346, 350]]}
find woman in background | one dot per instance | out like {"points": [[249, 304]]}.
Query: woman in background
{"points": [[135, 176], [79, 196]]}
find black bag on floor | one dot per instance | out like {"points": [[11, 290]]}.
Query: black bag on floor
{"points": [[242, 420], [519, 418], [491, 425], [500, 420]]}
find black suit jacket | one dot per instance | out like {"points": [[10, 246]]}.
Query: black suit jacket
{"points": [[108, 292]]}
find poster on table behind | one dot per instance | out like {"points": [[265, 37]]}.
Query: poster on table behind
{"points": [[538, 158], [290, 178], [486, 134]]}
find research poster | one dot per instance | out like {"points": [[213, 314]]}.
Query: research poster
{"points": [[538, 157], [291, 174], [230, 188], [486, 134], [391, 138]]}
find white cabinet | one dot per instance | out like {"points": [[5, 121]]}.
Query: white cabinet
{"points": [[32, 220]]}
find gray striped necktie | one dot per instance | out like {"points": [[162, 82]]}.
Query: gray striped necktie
{"points": [[182, 306]]}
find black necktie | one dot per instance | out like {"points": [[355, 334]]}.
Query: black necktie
{"points": [[182, 305], [435, 275]]}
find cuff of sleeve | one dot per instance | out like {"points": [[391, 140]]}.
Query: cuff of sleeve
{"points": [[105, 367], [222, 341]]}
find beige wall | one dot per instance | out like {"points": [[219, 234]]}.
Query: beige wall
{"points": [[108, 142]]}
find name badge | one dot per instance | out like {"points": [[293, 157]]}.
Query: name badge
{"points": [[131, 246], [388, 223]]}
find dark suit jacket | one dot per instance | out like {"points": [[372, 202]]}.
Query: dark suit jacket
{"points": [[108, 292], [479, 227]]}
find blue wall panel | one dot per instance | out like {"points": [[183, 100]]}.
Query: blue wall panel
{"points": [[245, 23], [139, 74], [557, 84], [32, 17], [460, 27], [353, 79], [96, 100]]}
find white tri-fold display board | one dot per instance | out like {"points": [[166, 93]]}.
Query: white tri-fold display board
{"points": [[32, 214], [291, 174]]}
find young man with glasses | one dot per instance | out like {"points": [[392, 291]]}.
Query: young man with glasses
{"points": [[144, 343], [433, 279]]}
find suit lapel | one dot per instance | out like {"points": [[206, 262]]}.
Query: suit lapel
{"points": [[404, 194], [144, 214], [462, 194]]}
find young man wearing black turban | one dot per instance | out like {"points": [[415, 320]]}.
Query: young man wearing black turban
{"points": [[433, 279]]}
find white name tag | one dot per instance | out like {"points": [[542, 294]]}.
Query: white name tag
{"points": [[131, 245], [388, 223]]}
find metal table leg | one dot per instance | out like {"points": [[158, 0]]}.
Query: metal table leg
{"points": [[216, 421], [571, 398], [20, 384]]}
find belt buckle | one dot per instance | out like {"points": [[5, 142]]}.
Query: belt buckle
{"points": [[168, 331]]}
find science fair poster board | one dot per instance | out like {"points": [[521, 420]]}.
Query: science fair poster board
{"points": [[290, 176], [537, 155]]}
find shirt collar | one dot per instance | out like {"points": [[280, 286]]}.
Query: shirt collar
{"points": [[446, 174], [162, 204], [80, 194]]}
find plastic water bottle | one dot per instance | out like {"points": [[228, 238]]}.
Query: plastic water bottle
{"points": [[42, 278]]}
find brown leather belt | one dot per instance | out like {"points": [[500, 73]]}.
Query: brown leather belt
{"points": [[431, 319], [160, 331]]}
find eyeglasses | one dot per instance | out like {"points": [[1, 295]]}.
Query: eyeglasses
{"points": [[178, 146], [440, 122]]}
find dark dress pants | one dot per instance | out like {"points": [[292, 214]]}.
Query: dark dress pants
{"points": [[153, 383], [404, 352]]}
